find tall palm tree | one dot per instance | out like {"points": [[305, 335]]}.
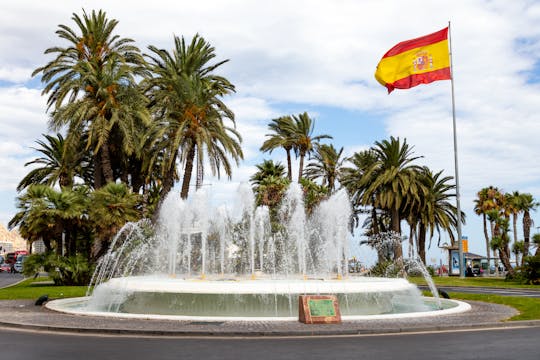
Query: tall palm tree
{"points": [[488, 199], [512, 207], [356, 179], [394, 181], [59, 165], [303, 139], [327, 163], [185, 96], [501, 240], [281, 137], [91, 85], [527, 204], [436, 211]]}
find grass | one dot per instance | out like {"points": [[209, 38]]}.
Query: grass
{"points": [[34, 288], [475, 281], [529, 308]]}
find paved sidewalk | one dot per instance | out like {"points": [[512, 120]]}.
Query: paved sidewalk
{"points": [[24, 314]]}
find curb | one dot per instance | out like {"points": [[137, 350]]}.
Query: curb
{"points": [[269, 333]]}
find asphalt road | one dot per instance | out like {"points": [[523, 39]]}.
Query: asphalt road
{"points": [[518, 343], [507, 343], [8, 278]]}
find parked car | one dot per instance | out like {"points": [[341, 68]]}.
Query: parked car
{"points": [[5, 267], [18, 267], [20, 263]]}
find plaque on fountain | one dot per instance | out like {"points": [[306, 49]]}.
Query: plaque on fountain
{"points": [[319, 309]]}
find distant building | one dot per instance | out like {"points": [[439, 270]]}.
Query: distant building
{"points": [[11, 240], [38, 247]]}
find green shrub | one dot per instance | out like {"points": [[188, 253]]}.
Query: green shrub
{"points": [[531, 270], [384, 268], [63, 270]]}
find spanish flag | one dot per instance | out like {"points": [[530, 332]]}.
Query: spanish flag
{"points": [[414, 62]]}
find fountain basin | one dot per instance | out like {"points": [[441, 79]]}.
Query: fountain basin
{"points": [[252, 300]]}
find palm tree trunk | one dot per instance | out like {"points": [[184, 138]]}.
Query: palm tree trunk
{"points": [[166, 186], [375, 230], [98, 173], [301, 167], [506, 261], [486, 235], [200, 174], [411, 241], [374, 221], [526, 233], [289, 164], [422, 242], [398, 250], [187, 173], [106, 163], [514, 224], [494, 232]]}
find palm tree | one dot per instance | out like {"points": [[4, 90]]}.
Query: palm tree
{"points": [[91, 85], [265, 169], [303, 139], [536, 242], [527, 204], [326, 164], [488, 199], [185, 96], [47, 214], [512, 206], [392, 181], [501, 240], [435, 211], [355, 180], [31, 220], [281, 137], [112, 207], [59, 165], [517, 249], [269, 184]]}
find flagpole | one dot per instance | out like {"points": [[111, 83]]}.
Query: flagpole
{"points": [[458, 205]]}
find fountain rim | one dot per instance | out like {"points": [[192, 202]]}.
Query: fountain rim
{"points": [[168, 284], [62, 306]]}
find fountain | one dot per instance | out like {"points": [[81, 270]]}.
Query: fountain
{"points": [[201, 262]]}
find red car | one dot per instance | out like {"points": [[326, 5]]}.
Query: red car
{"points": [[5, 267]]}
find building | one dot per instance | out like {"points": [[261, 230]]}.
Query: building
{"points": [[11, 241]]}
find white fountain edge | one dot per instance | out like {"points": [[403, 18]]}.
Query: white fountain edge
{"points": [[258, 286], [57, 305]]}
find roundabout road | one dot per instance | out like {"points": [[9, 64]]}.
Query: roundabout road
{"points": [[480, 334], [492, 344], [7, 279]]}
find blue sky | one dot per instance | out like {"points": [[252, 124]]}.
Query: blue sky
{"points": [[287, 57]]}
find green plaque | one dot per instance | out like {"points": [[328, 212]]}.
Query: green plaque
{"points": [[321, 307]]}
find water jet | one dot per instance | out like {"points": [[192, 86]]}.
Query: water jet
{"points": [[207, 263]]}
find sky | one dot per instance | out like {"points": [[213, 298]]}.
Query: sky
{"points": [[319, 56]]}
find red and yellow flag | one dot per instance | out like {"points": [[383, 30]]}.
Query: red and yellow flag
{"points": [[414, 62]]}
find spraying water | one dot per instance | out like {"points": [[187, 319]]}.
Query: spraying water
{"points": [[202, 260]]}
